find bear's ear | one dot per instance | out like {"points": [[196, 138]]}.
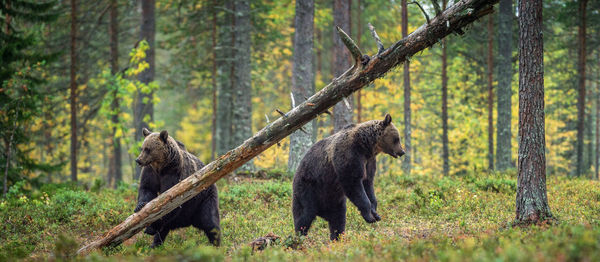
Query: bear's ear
{"points": [[387, 120], [164, 135], [145, 132]]}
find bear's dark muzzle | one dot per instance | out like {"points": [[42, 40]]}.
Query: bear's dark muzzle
{"points": [[139, 162]]}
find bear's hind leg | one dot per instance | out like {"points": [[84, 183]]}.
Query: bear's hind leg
{"points": [[304, 213], [337, 222], [209, 221], [160, 237]]}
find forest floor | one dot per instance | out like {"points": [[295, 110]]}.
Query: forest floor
{"points": [[465, 218]]}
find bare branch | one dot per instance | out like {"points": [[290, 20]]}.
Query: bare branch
{"points": [[380, 47], [351, 45], [436, 7], [422, 10]]}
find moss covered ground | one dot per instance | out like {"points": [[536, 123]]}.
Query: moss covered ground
{"points": [[424, 218]]}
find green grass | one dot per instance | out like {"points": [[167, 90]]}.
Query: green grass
{"points": [[423, 218]]}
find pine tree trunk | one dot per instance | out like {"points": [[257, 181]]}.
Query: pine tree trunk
{"points": [[302, 77], [73, 75], [504, 90], [532, 201], [242, 96], [361, 74], [581, 98], [445, 154], [214, 81], [342, 112], [407, 132], [358, 36], [143, 104], [597, 156], [115, 173], [490, 71], [225, 79]]}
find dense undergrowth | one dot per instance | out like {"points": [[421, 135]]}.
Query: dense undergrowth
{"points": [[464, 218]]}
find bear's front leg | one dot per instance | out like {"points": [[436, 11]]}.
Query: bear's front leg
{"points": [[352, 183], [371, 167], [368, 185], [149, 187]]}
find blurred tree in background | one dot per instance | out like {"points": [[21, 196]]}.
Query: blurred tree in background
{"points": [[243, 51]]}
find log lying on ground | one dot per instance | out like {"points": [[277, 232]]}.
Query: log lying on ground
{"points": [[364, 71]]}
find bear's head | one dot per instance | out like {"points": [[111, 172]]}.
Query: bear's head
{"points": [[389, 141], [157, 151]]}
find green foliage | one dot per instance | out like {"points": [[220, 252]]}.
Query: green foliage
{"points": [[69, 203], [124, 88], [65, 247], [427, 218]]}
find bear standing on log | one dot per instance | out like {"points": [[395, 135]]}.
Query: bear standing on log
{"points": [[165, 162], [339, 166]]}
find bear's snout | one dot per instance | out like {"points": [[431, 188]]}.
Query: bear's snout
{"points": [[139, 162]]}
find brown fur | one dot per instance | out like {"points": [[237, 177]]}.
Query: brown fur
{"points": [[338, 167], [165, 162]]}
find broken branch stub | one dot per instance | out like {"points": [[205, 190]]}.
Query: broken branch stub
{"points": [[343, 86], [380, 47], [351, 45]]}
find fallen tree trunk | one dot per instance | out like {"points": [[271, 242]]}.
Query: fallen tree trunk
{"points": [[364, 71]]}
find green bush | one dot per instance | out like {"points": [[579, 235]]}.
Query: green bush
{"points": [[65, 203]]}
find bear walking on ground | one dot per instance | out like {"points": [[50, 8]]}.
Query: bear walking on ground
{"points": [[165, 162], [339, 166]]}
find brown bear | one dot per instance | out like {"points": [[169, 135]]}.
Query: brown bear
{"points": [[165, 162], [339, 166]]}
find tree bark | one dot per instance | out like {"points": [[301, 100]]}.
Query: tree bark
{"points": [[214, 81], [358, 36], [532, 202], [597, 155], [115, 173], [342, 112], [407, 132], [225, 79], [73, 88], [504, 90], [242, 99], [362, 73], [302, 77], [581, 97], [490, 71], [143, 111], [445, 154], [8, 145]]}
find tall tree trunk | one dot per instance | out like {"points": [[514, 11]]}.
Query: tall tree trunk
{"points": [[7, 144], [504, 90], [115, 172], [342, 112], [490, 71], [581, 97], [459, 15], [225, 79], [302, 77], [73, 90], [358, 36], [597, 155], [407, 132], [532, 201], [214, 81], [143, 110], [445, 154], [242, 99]]}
